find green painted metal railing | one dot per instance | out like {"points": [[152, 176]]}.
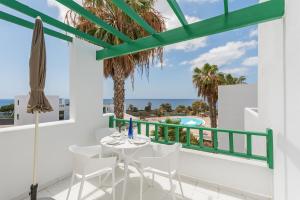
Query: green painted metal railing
{"points": [[113, 122]]}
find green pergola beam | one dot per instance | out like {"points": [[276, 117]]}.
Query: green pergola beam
{"points": [[131, 13], [13, 4], [30, 25], [226, 7], [91, 17], [244, 17], [178, 12]]}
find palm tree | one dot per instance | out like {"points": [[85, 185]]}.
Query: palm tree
{"points": [[206, 80], [120, 68], [228, 79]]}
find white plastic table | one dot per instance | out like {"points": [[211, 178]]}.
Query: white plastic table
{"points": [[126, 150]]}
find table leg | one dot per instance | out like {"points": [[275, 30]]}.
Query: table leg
{"points": [[125, 175]]}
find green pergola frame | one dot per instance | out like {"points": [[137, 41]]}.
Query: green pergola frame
{"points": [[261, 12]]}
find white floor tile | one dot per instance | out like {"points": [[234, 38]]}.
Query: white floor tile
{"points": [[193, 190]]}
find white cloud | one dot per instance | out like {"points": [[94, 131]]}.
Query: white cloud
{"points": [[61, 8], [238, 71], [188, 46], [253, 33], [251, 61], [223, 54]]}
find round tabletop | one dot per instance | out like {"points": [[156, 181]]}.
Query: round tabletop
{"points": [[125, 143]]}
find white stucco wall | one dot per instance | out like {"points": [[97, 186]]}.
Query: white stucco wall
{"points": [[16, 143], [278, 102], [237, 174], [253, 123], [233, 99], [21, 117]]}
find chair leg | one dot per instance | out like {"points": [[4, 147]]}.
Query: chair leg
{"points": [[172, 187], [125, 180], [100, 181], [113, 184], [81, 188], [153, 176], [180, 185], [141, 187], [71, 185]]}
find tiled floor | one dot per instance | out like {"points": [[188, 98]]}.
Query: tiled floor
{"points": [[193, 190]]}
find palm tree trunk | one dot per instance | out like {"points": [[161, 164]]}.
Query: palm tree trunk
{"points": [[212, 116], [119, 91]]}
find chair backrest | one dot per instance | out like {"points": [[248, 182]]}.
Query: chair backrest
{"points": [[86, 159], [102, 132], [80, 158], [170, 153]]}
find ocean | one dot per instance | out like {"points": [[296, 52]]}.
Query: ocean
{"points": [[4, 102], [139, 103]]}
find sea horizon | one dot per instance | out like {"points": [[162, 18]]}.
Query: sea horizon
{"points": [[140, 103]]}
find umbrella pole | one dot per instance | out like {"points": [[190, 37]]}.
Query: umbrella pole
{"points": [[34, 186]]}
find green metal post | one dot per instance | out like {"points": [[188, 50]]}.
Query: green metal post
{"points": [[177, 134], [201, 138], [156, 132], [111, 121], [188, 136], [249, 145], [215, 139], [226, 7], [166, 134], [269, 139], [147, 130], [231, 144], [139, 128]]}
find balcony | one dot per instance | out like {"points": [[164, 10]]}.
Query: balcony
{"points": [[194, 189], [209, 172]]}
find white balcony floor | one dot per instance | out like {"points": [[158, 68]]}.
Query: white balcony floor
{"points": [[193, 190]]}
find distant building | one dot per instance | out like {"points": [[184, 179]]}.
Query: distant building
{"points": [[108, 108], [21, 116], [64, 109]]}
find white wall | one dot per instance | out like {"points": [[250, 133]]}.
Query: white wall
{"points": [[25, 118], [279, 96], [253, 123], [233, 99], [16, 143], [242, 175]]}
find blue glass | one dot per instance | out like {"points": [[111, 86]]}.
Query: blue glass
{"points": [[130, 129]]}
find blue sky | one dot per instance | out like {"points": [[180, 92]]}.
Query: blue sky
{"points": [[234, 52]]}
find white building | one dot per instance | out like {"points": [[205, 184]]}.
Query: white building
{"points": [[64, 109], [233, 99], [21, 117]]}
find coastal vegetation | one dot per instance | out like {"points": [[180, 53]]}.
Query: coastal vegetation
{"points": [[171, 133], [206, 80], [7, 108], [198, 108], [122, 67], [182, 134]]}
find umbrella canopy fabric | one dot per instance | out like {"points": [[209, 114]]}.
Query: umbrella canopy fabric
{"points": [[37, 64]]}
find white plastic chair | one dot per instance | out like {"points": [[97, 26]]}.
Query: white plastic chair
{"points": [[165, 162], [87, 164], [99, 134]]}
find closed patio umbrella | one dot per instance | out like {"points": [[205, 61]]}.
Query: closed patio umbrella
{"points": [[37, 101]]}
